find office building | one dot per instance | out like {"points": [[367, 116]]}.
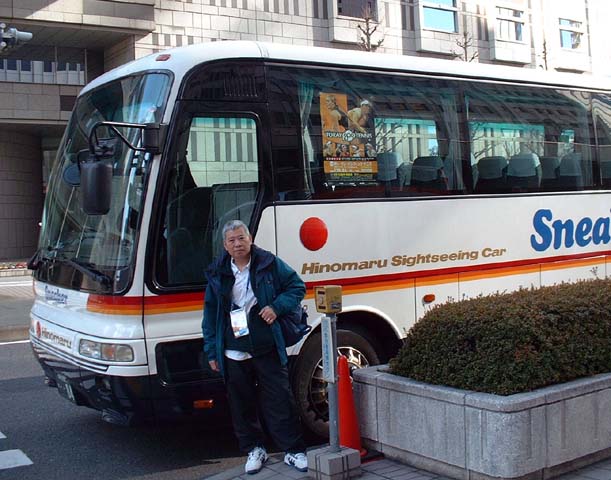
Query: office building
{"points": [[76, 40]]}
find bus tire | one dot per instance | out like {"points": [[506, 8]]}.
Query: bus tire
{"points": [[310, 390]]}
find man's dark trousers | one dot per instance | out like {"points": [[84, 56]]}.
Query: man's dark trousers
{"points": [[262, 381]]}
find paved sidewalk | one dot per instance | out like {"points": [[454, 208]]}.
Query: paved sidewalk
{"points": [[385, 469], [378, 469], [16, 298]]}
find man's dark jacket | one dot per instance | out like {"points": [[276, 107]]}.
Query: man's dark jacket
{"points": [[273, 282]]}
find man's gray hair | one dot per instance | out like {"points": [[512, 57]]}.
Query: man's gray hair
{"points": [[234, 225]]}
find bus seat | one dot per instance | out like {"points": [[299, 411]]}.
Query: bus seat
{"points": [[524, 171], [491, 174], [387, 166], [550, 171], [605, 173], [427, 173], [187, 236], [404, 174], [230, 201], [570, 173]]}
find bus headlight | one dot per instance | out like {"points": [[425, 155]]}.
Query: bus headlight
{"points": [[113, 352]]}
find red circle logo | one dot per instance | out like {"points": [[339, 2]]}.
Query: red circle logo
{"points": [[38, 329], [313, 233]]}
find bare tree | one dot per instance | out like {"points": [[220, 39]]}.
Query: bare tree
{"points": [[466, 43], [544, 54], [367, 30]]}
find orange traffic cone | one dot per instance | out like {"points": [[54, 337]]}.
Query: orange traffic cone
{"points": [[349, 435]]}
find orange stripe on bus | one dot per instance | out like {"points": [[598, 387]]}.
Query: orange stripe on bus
{"points": [[586, 262], [190, 302]]}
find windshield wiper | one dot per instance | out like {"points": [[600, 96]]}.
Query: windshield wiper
{"points": [[89, 270], [39, 257]]}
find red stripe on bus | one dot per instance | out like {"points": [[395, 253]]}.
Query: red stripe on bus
{"points": [[182, 302], [453, 270]]}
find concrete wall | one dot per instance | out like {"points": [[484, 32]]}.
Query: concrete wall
{"points": [[466, 435], [36, 102], [20, 193]]}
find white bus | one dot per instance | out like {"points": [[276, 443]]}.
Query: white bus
{"points": [[408, 181]]}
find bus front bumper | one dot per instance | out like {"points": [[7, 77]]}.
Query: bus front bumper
{"points": [[131, 400]]}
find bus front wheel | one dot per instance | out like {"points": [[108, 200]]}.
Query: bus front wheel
{"points": [[311, 390]]}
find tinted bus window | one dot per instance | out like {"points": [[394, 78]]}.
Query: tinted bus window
{"points": [[214, 179], [364, 135], [525, 139], [601, 107]]}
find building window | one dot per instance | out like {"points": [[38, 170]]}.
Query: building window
{"points": [[570, 34], [358, 8], [11, 64], [48, 66], [26, 66], [440, 15], [509, 24]]}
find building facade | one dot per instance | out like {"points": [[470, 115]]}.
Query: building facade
{"points": [[76, 40]]}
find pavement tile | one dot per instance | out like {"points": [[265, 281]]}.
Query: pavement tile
{"points": [[572, 476], [594, 473], [378, 465], [417, 475]]}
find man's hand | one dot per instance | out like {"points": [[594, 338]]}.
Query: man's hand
{"points": [[268, 315], [214, 365]]}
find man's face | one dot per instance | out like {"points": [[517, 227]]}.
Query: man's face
{"points": [[365, 109], [237, 243]]}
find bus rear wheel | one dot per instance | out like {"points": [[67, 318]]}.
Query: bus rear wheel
{"points": [[311, 390]]}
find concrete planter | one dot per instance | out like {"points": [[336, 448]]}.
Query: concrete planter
{"points": [[468, 435]]}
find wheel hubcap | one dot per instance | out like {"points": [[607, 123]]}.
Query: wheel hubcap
{"points": [[317, 394]]}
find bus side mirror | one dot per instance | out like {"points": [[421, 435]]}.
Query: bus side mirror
{"points": [[153, 137], [96, 187]]}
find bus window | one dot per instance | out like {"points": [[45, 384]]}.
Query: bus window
{"points": [[214, 179], [366, 135], [601, 106], [524, 139]]}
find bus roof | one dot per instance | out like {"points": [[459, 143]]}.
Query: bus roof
{"points": [[182, 59]]}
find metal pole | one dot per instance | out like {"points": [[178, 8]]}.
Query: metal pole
{"points": [[332, 391]]}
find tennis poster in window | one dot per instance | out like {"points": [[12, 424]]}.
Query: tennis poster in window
{"points": [[348, 136]]}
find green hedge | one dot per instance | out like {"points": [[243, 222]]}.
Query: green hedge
{"points": [[511, 343]]}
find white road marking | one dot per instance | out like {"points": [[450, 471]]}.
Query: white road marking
{"points": [[14, 343], [16, 284], [13, 458], [2, 435]]}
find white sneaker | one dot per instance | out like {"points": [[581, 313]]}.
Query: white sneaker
{"points": [[256, 458], [297, 460]]}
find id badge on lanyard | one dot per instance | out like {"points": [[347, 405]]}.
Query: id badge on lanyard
{"points": [[239, 317], [239, 322]]}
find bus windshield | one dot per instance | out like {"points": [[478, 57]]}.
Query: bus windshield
{"points": [[96, 252]]}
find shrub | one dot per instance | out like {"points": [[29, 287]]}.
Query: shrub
{"points": [[511, 343]]}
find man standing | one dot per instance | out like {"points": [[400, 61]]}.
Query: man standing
{"points": [[248, 288]]}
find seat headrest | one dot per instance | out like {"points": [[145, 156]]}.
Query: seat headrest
{"points": [[432, 161], [549, 165], [427, 169], [523, 165], [491, 167], [570, 166]]}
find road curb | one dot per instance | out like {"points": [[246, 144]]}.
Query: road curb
{"points": [[15, 272], [14, 333]]}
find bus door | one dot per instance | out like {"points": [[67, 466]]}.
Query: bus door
{"points": [[212, 175]]}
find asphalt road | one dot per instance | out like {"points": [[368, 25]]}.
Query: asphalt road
{"points": [[67, 442]]}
